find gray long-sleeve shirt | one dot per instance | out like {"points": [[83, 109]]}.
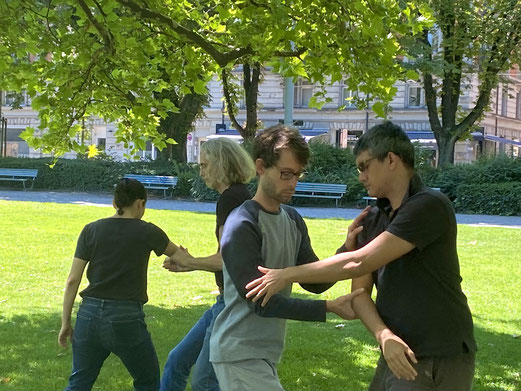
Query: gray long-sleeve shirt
{"points": [[253, 237]]}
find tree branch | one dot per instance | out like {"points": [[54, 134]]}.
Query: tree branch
{"points": [[105, 34], [229, 103], [222, 59], [428, 85]]}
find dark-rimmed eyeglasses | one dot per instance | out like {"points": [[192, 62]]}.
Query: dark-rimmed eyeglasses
{"points": [[287, 175], [362, 166]]}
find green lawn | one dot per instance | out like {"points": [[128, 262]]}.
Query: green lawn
{"points": [[37, 241]]}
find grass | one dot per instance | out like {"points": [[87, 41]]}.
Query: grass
{"points": [[37, 241]]}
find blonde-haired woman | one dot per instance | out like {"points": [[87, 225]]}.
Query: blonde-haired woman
{"points": [[226, 167]]}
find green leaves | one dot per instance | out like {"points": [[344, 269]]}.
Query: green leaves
{"points": [[120, 61]]}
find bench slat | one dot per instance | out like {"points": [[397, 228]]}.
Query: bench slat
{"points": [[18, 175], [320, 190], [156, 182]]}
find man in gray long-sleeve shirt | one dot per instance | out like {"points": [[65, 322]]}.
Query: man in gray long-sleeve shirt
{"points": [[248, 339]]}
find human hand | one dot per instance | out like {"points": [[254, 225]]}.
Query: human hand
{"points": [[354, 229], [272, 282], [183, 258], [398, 355], [171, 265], [342, 305], [64, 335]]}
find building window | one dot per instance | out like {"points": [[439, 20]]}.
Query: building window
{"points": [[415, 97], [348, 98], [102, 143], [518, 105], [303, 91], [504, 102], [15, 99]]}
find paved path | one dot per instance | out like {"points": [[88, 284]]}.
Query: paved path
{"points": [[105, 200]]}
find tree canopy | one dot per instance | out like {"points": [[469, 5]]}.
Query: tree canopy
{"points": [[469, 38], [116, 59]]}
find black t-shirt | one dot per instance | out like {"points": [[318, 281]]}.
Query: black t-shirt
{"points": [[419, 295], [117, 250], [230, 199]]}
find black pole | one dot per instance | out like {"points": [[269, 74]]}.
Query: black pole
{"points": [[2, 126], [2, 137], [4, 123]]}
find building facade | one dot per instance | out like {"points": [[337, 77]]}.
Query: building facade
{"points": [[339, 121]]}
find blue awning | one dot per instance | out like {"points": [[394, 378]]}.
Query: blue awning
{"points": [[233, 133], [498, 139]]}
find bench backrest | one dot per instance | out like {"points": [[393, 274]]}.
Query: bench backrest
{"points": [[154, 179], [18, 172], [321, 187]]}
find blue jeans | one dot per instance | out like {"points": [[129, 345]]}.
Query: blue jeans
{"points": [[193, 351], [112, 326]]}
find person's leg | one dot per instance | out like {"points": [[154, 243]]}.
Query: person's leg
{"points": [[88, 354], [132, 343], [434, 373], [385, 380], [248, 375], [454, 373], [203, 375], [182, 358]]}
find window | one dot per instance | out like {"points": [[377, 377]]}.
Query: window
{"points": [[303, 91], [415, 97], [102, 143], [518, 105], [15, 99], [348, 98], [504, 101]]}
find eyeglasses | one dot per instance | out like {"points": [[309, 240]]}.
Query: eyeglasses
{"points": [[287, 175], [362, 166]]}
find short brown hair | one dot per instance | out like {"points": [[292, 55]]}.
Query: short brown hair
{"points": [[268, 144]]}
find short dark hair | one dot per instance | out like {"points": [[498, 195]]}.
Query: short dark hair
{"points": [[384, 138], [127, 191], [268, 144]]}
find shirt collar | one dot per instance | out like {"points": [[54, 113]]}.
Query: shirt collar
{"points": [[415, 185]]}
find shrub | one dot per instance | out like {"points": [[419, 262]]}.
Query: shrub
{"points": [[489, 198]]}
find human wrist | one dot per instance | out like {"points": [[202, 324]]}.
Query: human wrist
{"points": [[289, 275], [331, 306], [382, 334]]}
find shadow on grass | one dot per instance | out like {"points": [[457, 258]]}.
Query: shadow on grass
{"points": [[318, 356], [329, 358], [31, 359]]}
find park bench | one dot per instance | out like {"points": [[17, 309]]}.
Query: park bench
{"points": [[18, 175], [156, 182], [320, 190], [369, 200]]}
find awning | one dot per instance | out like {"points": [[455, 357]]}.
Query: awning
{"points": [[498, 139], [308, 134], [422, 137], [234, 134]]}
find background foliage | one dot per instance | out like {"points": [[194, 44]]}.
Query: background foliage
{"points": [[487, 186]]}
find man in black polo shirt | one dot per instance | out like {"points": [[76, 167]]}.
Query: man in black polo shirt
{"points": [[407, 249]]}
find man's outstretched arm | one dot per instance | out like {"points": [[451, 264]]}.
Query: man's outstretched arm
{"points": [[385, 248]]}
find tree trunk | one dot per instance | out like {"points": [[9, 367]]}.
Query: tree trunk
{"points": [[179, 151], [251, 81], [445, 149]]}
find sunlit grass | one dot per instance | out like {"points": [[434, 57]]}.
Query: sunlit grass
{"points": [[37, 241]]}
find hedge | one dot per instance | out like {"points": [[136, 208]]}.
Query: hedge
{"points": [[489, 185], [489, 198]]}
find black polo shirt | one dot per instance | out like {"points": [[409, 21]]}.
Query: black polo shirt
{"points": [[419, 295]]}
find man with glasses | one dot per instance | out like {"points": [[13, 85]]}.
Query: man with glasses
{"points": [[407, 249], [247, 339]]}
